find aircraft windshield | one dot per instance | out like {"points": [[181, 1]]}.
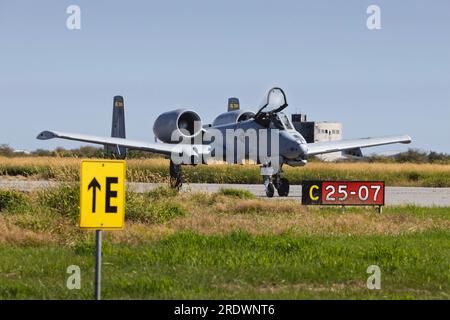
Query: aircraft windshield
{"points": [[285, 120], [281, 122]]}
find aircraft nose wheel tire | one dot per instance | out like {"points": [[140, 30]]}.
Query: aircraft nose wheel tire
{"points": [[283, 187], [270, 190]]}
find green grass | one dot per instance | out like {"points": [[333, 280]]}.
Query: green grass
{"points": [[11, 200], [152, 207], [237, 193], [64, 199], [237, 265]]}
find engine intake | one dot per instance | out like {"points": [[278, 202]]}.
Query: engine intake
{"points": [[181, 122]]}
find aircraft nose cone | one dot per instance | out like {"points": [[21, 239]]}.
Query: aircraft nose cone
{"points": [[296, 150], [303, 149]]}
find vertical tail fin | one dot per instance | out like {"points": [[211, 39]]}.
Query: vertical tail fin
{"points": [[118, 128], [233, 104]]}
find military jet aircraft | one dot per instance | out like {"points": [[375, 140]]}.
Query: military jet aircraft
{"points": [[227, 138]]}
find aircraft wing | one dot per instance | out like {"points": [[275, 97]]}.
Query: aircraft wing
{"points": [[341, 145], [161, 148]]}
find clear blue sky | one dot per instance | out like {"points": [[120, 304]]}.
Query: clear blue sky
{"points": [[162, 55]]}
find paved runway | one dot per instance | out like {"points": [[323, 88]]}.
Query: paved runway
{"points": [[394, 195]]}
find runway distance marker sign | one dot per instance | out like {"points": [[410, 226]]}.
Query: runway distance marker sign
{"points": [[346, 193], [102, 196]]}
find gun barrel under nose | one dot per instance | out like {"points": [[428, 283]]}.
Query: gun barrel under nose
{"points": [[304, 149]]}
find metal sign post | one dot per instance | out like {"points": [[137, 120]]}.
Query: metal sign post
{"points": [[98, 263]]}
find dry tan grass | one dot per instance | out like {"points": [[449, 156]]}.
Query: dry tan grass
{"points": [[264, 217], [377, 167], [12, 234], [274, 223], [135, 233], [54, 161], [72, 162], [67, 164], [256, 205], [39, 161], [306, 223]]}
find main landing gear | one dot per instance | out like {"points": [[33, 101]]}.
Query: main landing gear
{"points": [[274, 181], [271, 181], [176, 179]]}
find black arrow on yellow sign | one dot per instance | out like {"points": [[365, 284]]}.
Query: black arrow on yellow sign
{"points": [[94, 185]]}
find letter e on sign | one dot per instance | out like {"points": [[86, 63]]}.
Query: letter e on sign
{"points": [[102, 194]]}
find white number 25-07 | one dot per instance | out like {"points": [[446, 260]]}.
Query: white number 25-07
{"points": [[363, 193]]}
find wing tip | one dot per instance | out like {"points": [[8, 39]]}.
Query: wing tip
{"points": [[46, 135], [407, 139]]}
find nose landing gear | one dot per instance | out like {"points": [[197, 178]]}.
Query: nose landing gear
{"points": [[282, 187], [274, 181], [270, 190]]}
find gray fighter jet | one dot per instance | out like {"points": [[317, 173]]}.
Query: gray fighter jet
{"points": [[266, 137]]}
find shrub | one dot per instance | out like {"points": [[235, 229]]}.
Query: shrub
{"points": [[413, 155], [413, 176], [238, 193], [162, 193], [64, 199], [436, 157], [6, 151], [35, 222], [143, 208], [11, 200]]}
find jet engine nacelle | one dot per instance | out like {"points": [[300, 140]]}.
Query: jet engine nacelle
{"points": [[181, 123], [232, 117]]}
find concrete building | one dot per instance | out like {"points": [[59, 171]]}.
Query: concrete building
{"points": [[314, 131]]}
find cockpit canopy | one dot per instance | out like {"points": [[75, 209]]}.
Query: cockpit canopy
{"points": [[270, 115], [274, 102]]}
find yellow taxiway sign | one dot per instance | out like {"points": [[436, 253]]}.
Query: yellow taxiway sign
{"points": [[102, 196]]}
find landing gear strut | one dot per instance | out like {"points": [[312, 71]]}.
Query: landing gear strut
{"points": [[176, 180], [274, 181]]}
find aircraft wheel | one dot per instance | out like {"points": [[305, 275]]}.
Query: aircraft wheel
{"points": [[270, 190], [283, 187]]}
